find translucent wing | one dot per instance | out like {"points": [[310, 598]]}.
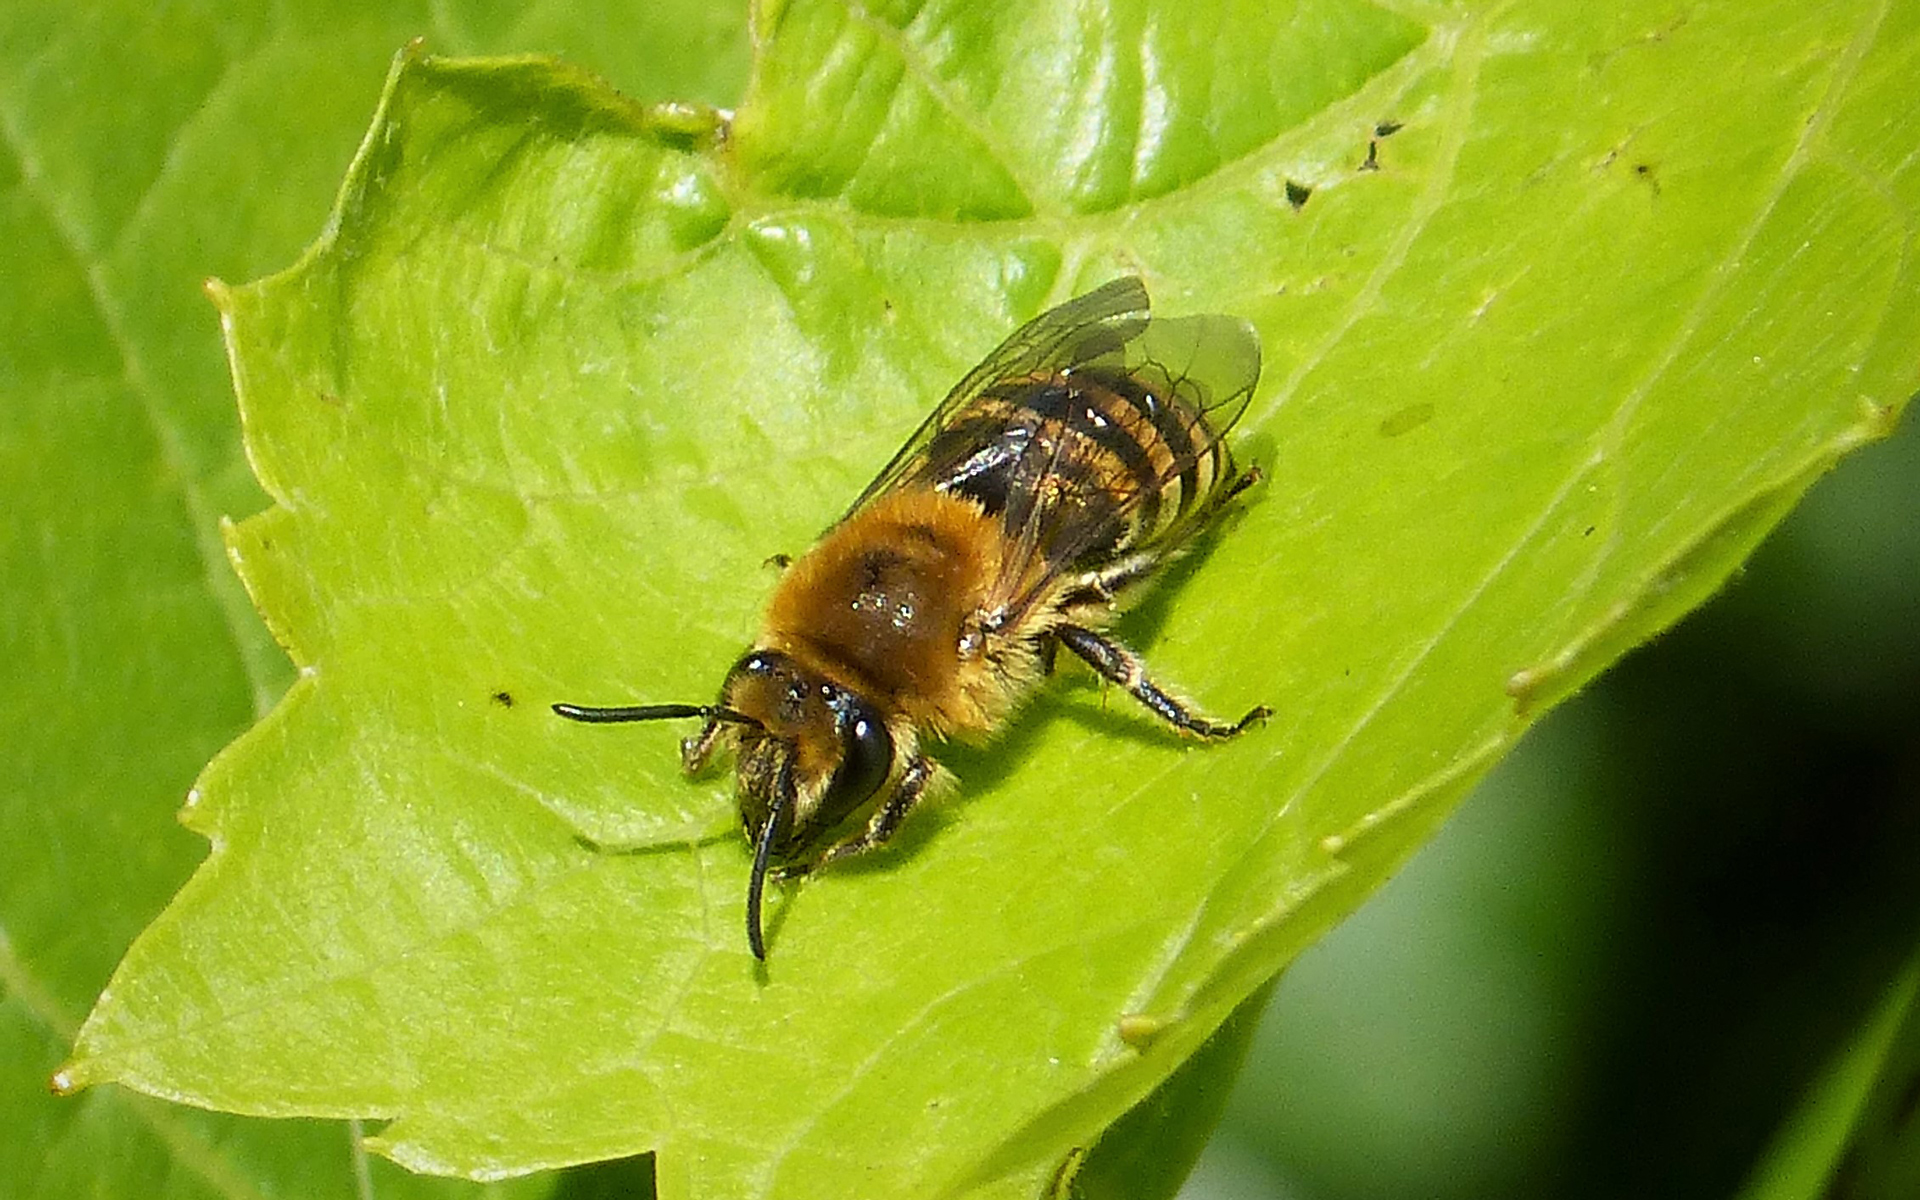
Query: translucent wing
{"points": [[1084, 328], [1093, 433], [1127, 460]]}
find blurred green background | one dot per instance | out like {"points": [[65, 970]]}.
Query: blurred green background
{"points": [[1631, 951]]}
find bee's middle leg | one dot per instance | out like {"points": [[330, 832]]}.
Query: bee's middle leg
{"points": [[1124, 667]]}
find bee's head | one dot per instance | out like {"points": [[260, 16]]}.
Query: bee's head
{"points": [[815, 744], [810, 753]]}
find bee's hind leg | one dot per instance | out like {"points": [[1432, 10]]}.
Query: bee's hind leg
{"points": [[1121, 665], [886, 819]]}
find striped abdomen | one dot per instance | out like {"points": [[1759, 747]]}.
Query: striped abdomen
{"points": [[1085, 465]]}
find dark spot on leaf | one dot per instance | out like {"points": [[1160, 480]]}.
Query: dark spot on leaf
{"points": [[1387, 129], [1372, 162], [1407, 419], [781, 561], [503, 699], [1587, 532], [1297, 194]]}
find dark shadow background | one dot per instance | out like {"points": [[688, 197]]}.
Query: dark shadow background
{"points": [[1620, 965]]}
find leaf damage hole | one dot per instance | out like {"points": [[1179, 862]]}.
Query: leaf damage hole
{"points": [[1297, 194], [1382, 130]]}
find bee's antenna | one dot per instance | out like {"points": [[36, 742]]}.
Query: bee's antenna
{"points": [[762, 851], [651, 712]]}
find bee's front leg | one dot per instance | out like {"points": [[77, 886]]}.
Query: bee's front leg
{"points": [[886, 819], [696, 750]]}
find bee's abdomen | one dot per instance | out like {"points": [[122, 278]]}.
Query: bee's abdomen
{"points": [[1120, 460]]}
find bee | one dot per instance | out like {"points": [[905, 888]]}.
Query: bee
{"points": [[1066, 468]]}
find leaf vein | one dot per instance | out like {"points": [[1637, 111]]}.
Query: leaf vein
{"points": [[1467, 64], [922, 73], [222, 586]]}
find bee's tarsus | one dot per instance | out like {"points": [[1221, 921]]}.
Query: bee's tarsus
{"points": [[1258, 712]]}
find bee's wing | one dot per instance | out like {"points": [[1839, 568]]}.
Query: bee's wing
{"points": [[1084, 329], [1210, 365], [1204, 368]]}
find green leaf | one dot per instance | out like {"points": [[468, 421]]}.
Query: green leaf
{"points": [[1562, 309], [1148, 1153], [1855, 1124], [142, 148], [909, 110]]}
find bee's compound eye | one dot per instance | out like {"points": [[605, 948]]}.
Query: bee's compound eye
{"points": [[866, 758]]}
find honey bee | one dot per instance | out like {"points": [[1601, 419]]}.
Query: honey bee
{"points": [[1065, 468]]}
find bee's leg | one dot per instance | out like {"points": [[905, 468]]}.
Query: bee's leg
{"points": [[1224, 496], [1045, 650], [1240, 483], [1116, 577], [1123, 666], [886, 819], [696, 750], [1128, 571]]}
